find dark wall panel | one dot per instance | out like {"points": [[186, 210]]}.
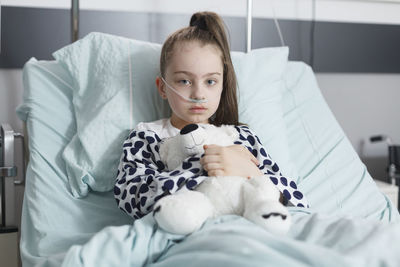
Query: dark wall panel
{"points": [[333, 47], [31, 32], [345, 47]]}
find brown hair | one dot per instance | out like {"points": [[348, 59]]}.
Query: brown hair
{"points": [[208, 28]]}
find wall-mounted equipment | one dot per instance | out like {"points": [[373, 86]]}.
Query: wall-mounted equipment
{"points": [[393, 168]]}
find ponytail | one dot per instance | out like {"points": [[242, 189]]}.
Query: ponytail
{"points": [[208, 28]]}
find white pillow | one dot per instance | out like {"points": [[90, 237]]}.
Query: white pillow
{"points": [[259, 75], [109, 71]]}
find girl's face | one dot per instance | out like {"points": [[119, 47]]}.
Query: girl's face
{"points": [[196, 71]]}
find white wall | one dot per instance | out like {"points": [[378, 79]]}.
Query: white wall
{"points": [[10, 96]]}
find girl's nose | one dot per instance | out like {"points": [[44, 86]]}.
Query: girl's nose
{"points": [[197, 91]]}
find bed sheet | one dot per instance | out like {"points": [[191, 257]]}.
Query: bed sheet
{"points": [[314, 240], [53, 220]]}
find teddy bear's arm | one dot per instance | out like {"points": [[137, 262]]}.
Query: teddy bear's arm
{"points": [[142, 178], [270, 168]]}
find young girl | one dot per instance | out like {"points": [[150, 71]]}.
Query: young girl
{"points": [[199, 82]]}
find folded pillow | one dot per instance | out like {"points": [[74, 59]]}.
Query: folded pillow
{"points": [[107, 72], [114, 89]]}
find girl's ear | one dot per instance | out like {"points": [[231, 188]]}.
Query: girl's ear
{"points": [[161, 87]]}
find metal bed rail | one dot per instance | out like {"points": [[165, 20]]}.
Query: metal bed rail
{"points": [[8, 172]]}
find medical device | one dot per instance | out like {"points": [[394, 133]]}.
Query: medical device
{"points": [[393, 168], [184, 97]]}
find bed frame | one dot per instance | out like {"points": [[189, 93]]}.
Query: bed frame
{"points": [[8, 172]]}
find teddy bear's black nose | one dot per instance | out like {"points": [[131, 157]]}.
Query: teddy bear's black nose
{"points": [[189, 128]]}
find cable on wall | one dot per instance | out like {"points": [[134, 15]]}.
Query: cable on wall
{"points": [[278, 28]]}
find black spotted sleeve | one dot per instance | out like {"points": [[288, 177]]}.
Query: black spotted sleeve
{"points": [[286, 185], [142, 178]]}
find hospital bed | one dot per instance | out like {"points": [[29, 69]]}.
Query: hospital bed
{"points": [[80, 107]]}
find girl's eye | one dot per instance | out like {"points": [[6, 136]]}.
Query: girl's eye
{"points": [[211, 82], [185, 82]]}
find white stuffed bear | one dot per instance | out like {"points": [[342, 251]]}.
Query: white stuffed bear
{"points": [[256, 199]]}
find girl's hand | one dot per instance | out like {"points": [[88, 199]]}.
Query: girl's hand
{"points": [[229, 160]]}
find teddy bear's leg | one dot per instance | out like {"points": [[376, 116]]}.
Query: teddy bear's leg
{"points": [[183, 212], [225, 193], [262, 206]]}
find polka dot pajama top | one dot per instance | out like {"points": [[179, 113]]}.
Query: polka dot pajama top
{"points": [[142, 178]]}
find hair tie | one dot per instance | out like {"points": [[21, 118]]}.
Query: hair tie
{"points": [[200, 23]]}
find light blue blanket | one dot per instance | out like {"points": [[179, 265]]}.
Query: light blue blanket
{"points": [[314, 240]]}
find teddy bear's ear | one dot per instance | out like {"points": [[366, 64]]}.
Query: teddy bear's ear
{"points": [[230, 131]]}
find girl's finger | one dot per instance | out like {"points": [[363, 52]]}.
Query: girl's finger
{"points": [[210, 159], [212, 166], [255, 160], [252, 157], [216, 173], [211, 149]]}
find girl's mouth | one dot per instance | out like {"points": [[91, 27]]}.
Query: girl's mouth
{"points": [[198, 109]]}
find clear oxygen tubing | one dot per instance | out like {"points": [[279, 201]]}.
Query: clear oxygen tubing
{"points": [[184, 97]]}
